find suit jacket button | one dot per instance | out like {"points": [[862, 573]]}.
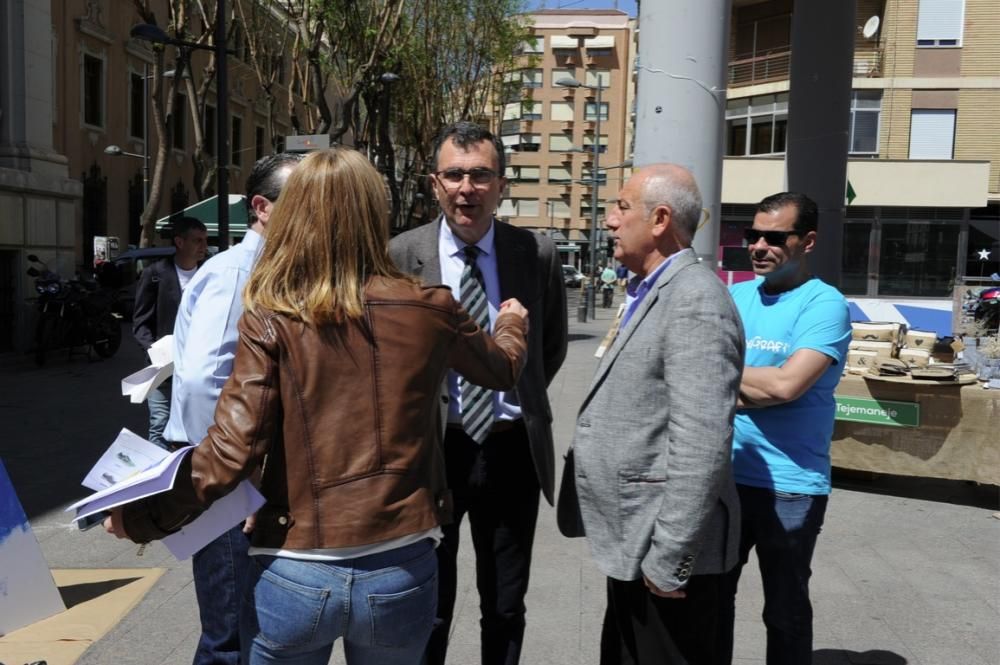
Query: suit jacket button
{"points": [[282, 520], [444, 399]]}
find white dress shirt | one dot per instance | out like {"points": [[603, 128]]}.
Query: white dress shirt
{"points": [[451, 254]]}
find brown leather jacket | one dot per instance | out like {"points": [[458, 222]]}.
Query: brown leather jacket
{"points": [[343, 419]]}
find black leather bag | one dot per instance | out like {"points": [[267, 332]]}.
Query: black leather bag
{"points": [[568, 517]]}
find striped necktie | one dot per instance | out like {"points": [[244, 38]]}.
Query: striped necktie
{"points": [[477, 402]]}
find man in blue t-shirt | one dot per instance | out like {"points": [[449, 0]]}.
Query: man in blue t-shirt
{"points": [[797, 331]]}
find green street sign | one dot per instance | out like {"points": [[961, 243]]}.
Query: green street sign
{"points": [[878, 411]]}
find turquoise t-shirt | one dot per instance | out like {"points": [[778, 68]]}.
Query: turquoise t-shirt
{"points": [[786, 447]]}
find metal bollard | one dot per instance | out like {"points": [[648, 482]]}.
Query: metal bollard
{"points": [[581, 310]]}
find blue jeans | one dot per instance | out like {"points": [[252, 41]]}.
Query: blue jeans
{"points": [[383, 605], [159, 413], [220, 574], [783, 528]]}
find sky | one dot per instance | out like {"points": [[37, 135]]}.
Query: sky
{"points": [[624, 5]]}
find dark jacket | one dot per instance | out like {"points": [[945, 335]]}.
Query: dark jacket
{"points": [[529, 269], [347, 416], [157, 297]]}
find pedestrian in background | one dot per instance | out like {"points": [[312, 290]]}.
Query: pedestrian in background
{"points": [[498, 445], [653, 437], [157, 297], [797, 330], [325, 386]]}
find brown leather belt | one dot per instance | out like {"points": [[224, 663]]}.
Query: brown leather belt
{"points": [[498, 426]]}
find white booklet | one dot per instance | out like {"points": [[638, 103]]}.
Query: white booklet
{"points": [[120, 478], [138, 385]]}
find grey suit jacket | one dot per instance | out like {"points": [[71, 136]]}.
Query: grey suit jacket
{"points": [[529, 269], [653, 440]]}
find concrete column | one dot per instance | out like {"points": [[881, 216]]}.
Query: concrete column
{"points": [[681, 98], [819, 117]]}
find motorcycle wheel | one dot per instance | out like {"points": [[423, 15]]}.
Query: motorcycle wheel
{"points": [[45, 337], [106, 336]]}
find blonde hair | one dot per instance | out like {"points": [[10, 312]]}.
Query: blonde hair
{"points": [[326, 236]]}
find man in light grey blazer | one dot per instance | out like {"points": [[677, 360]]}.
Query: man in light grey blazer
{"points": [[496, 472], [654, 434]]}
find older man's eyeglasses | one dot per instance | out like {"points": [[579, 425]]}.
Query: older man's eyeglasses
{"points": [[479, 177], [772, 238]]}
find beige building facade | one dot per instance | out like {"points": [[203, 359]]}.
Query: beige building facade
{"points": [[548, 130], [80, 85], [924, 162]]}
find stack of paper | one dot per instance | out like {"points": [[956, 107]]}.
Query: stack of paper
{"points": [[120, 478], [137, 386]]}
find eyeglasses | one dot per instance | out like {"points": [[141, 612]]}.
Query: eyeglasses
{"points": [[772, 238], [480, 177]]}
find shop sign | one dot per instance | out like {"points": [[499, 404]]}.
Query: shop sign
{"points": [[878, 411]]}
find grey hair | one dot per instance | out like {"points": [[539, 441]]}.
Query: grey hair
{"points": [[674, 187]]}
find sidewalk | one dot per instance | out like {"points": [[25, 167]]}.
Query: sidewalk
{"points": [[906, 571]]}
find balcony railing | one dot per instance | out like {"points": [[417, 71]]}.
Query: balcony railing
{"points": [[761, 67], [775, 65]]}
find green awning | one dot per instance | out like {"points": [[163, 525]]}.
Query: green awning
{"points": [[207, 212]]}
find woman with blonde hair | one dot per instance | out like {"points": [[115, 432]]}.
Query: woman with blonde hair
{"points": [[336, 395]]}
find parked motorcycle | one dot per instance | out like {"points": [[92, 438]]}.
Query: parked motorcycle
{"points": [[987, 309], [72, 313]]}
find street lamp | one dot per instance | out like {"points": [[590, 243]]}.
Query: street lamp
{"points": [[116, 151], [570, 82], [156, 35]]}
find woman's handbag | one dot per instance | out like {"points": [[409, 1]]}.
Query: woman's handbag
{"points": [[568, 517]]}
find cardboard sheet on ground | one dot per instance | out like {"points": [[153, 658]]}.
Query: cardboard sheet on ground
{"points": [[97, 600], [138, 385], [27, 591]]}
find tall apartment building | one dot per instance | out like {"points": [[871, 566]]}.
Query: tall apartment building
{"points": [[924, 156], [72, 83], [548, 130]]}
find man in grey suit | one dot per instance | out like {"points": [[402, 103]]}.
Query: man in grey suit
{"points": [[500, 456], [654, 434]]}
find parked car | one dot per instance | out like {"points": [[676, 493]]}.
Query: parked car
{"points": [[572, 276]]}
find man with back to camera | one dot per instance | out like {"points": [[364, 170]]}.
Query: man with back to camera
{"points": [[498, 446], [205, 337], [157, 297], [653, 437], [797, 330]]}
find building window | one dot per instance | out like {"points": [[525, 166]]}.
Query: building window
{"points": [[518, 208], [522, 142], [918, 259], [564, 44], [179, 122], [865, 107], [756, 125], [531, 78], [236, 141], [508, 127], [558, 209], [940, 23], [561, 111], [602, 175], [590, 111], [512, 111], [599, 52], [258, 142], [585, 209], [93, 90], [598, 78], [136, 106], [524, 174], [560, 142], [209, 131], [932, 133], [560, 74], [588, 143], [560, 174], [531, 110], [533, 45]]}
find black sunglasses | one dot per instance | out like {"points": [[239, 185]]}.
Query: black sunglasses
{"points": [[772, 238]]}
